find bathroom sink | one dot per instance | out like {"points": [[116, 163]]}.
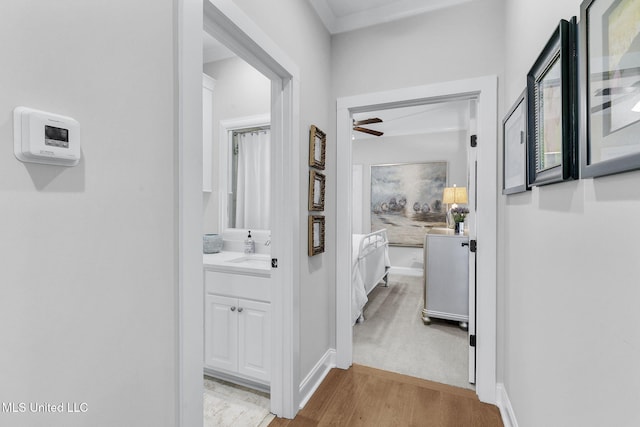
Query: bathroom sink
{"points": [[253, 259]]}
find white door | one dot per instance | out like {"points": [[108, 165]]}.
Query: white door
{"points": [[254, 339], [221, 332], [473, 206]]}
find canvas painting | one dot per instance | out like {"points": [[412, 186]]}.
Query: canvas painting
{"points": [[406, 199]]}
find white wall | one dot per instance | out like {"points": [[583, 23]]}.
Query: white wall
{"points": [[430, 147], [568, 289], [88, 307], [295, 27], [240, 91]]}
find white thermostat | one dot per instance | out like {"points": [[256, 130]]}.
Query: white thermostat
{"points": [[46, 138]]}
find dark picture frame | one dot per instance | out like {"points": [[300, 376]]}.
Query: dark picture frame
{"points": [[552, 109], [316, 234], [515, 177], [609, 87], [316, 190], [317, 147]]}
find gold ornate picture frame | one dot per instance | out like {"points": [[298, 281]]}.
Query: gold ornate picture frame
{"points": [[316, 190], [317, 148], [316, 234]]}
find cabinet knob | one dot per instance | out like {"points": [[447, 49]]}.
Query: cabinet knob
{"points": [[233, 309], [240, 310]]}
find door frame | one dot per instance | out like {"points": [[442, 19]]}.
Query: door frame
{"points": [[231, 26], [485, 90]]}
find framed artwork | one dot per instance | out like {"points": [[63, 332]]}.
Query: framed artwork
{"points": [[316, 235], [316, 191], [406, 199], [317, 147], [609, 86], [514, 133], [552, 109]]}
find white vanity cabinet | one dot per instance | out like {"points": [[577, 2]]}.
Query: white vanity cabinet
{"points": [[238, 325]]}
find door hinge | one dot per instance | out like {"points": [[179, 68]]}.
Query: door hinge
{"points": [[274, 262], [473, 245], [474, 140], [472, 340]]}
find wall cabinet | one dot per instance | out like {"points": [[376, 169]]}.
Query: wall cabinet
{"points": [[238, 336]]}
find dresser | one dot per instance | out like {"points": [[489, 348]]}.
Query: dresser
{"points": [[446, 277]]}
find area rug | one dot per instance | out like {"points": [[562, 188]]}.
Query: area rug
{"points": [[394, 338], [227, 404]]}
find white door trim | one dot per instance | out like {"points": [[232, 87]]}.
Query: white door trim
{"points": [[230, 25], [485, 90]]}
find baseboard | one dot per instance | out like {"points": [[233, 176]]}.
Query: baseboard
{"points": [[406, 271], [312, 381], [504, 404]]}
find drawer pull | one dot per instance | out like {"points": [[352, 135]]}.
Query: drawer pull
{"points": [[233, 309], [240, 310]]}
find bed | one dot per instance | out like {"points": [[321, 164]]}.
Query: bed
{"points": [[370, 265]]}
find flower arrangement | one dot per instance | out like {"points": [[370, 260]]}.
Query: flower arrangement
{"points": [[459, 214]]}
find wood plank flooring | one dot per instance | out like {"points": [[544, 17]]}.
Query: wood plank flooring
{"points": [[363, 396]]}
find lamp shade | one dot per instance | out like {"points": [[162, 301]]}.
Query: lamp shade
{"points": [[455, 195]]}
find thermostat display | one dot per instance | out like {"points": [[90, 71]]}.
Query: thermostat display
{"points": [[46, 138]]}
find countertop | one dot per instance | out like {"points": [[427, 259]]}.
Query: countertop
{"points": [[255, 264]]}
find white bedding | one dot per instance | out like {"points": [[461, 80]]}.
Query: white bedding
{"points": [[369, 265]]}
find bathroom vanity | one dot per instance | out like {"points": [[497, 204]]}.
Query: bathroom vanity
{"points": [[237, 329]]}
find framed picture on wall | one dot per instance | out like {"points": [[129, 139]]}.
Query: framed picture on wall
{"points": [[514, 127], [317, 148], [316, 191], [406, 199], [316, 235], [552, 109], [609, 86]]}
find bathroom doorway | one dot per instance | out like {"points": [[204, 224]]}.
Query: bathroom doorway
{"points": [[226, 22]]}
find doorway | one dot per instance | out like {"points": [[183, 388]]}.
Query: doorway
{"points": [[227, 23], [403, 159], [483, 231]]}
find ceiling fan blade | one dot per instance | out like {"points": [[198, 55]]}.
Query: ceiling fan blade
{"points": [[367, 121], [369, 131]]}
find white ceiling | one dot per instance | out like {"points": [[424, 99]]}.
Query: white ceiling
{"points": [[345, 15], [447, 116]]}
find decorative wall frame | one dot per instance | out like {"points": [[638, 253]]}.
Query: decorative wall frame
{"points": [[316, 234], [609, 87], [515, 177], [406, 199], [316, 190], [317, 147], [552, 109]]}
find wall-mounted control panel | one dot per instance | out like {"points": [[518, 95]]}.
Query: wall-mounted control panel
{"points": [[46, 138]]}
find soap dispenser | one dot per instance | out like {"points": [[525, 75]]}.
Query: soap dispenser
{"points": [[249, 246]]}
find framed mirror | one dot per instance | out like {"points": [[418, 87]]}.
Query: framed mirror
{"points": [[316, 191], [316, 235], [552, 109], [317, 148]]}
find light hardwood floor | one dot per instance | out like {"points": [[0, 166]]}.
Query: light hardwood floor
{"points": [[363, 396]]}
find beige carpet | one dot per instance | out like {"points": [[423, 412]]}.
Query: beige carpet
{"points": [[227, 404], [393, 337]]}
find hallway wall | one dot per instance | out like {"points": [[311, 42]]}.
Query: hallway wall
{"points": [[568, 287], [88, 271], [295, 27]]}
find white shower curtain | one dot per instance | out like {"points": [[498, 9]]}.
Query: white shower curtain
{"points": [[254, 177]]}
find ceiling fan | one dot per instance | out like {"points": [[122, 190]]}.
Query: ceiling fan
{"points": [[358, 123]]}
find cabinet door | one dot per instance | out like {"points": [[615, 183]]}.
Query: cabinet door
{"points": [[254, 335], [221, 332]]}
